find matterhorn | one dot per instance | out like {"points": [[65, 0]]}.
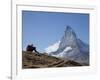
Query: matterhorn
{"points": [[70, 47]]}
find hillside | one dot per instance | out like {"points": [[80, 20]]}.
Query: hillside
{"points": [[38, 60]]}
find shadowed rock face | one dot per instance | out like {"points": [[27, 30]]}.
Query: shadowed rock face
{"points": [[34, 60]]}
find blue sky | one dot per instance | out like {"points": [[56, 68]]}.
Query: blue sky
{"points": [[45, 28]]}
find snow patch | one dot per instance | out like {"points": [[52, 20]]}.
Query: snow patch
{"points": [[64, 52], [67, 49], [52, 48]]}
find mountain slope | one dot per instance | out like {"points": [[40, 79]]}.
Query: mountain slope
{"points": [[38, 60], [71, 48]]}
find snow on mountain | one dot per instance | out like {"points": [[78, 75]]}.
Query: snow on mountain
{"points": [[70, 47], [52, 48], [63, 52]]}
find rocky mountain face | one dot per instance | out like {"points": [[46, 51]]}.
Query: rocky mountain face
{"points": [[71, 48]]}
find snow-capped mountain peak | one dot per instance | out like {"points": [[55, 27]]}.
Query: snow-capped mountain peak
{"points": [[70, 47]]}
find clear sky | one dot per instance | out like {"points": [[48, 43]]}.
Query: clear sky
{"points": [[45, 28]]}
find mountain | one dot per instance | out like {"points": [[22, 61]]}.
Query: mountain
{"points": [[42, 60], [71, 48]]}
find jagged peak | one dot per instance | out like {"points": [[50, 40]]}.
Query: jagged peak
{"points": [[68, 28], [70, 47], [69, 31]]}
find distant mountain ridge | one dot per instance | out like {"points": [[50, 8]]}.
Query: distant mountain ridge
{"points": [[71, 48]]}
